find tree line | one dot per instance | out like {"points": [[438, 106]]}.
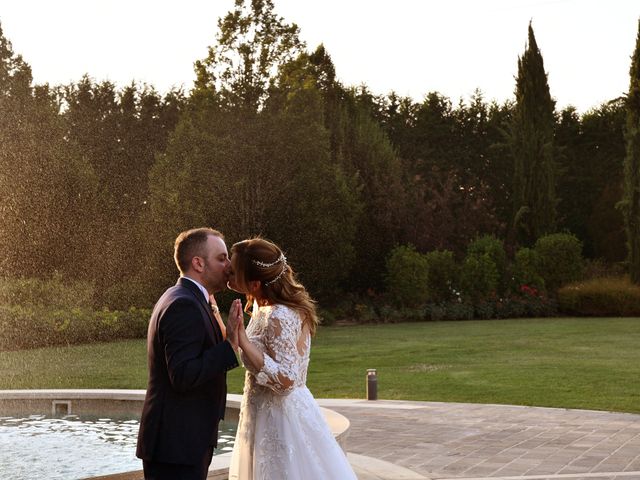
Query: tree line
{"points": [[96, 181]]}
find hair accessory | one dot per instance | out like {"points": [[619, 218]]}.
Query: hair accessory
{"points": [[282, 259]]}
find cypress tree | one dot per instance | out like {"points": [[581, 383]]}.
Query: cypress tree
{"points": [[631, 200], [531, 142]]}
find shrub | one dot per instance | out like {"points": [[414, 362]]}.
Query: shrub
{"points": [[453, 310], [407, 276], [54, 292], [525, 270], [32, 327], [127, 293], [364, 312], [326, 317], [390, 314], [435, 312], [600, 297], [541, 306], [459, 311], [442, 275], [478, 277], [529, 302], [560, 259], [599, 268], [407, 314], [340, 311], [494, 248], [512, 306]]}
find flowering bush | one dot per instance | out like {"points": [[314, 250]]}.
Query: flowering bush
{"points": [[526, 290], [525, 269]]}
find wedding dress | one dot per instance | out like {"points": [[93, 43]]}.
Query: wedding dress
{"points": [[282, 434]]}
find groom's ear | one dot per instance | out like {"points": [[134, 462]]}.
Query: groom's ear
{"points": [[197, 263]]}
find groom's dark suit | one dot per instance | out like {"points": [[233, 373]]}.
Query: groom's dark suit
{"points": [[188, 360]]}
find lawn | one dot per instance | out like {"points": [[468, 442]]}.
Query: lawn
{"points": [[558, 362]]}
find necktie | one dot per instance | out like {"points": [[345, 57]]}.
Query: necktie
{"points": [[216, 314]]}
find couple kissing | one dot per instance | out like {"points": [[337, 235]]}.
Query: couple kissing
{"points": [[281, 433]]}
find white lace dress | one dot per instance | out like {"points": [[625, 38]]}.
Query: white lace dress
{"points": [[282, 434]]}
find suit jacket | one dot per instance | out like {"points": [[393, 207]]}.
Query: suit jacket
{"points": [[186, 393]]}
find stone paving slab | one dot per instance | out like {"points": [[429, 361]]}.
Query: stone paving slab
{"points": [[367, 468], [471, 441]]}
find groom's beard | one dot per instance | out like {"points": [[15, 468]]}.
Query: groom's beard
{"points": [[216, 283]]}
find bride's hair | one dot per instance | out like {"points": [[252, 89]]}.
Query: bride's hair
{"points": [[261, 260]]}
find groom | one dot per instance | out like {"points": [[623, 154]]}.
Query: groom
{"points": [[188, 358]]}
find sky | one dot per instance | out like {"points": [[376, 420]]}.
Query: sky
{"points": [[412, 47]]}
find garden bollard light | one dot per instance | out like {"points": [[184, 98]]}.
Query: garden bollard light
{"points": [[372, 384]]}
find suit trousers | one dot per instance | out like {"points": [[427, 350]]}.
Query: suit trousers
{"points": [[170, 471]]}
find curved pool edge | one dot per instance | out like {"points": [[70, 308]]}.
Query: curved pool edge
{"points": [[77, 401]]}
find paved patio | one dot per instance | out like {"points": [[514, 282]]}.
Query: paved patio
{"points": [[400, 440], [453, 440]]}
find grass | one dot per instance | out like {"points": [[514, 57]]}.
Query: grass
{"points": [[589, 363]]}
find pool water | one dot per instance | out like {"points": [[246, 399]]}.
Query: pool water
{"points": [[72, 447]]}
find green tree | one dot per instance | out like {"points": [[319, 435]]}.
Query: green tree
{"points": [[496, 163], [398, 118], [434, 140], [531, 141], [574, 180], [368, 154], [591, 177], [601, 159], [119, 133], [45, 187], [444, 213], [631, 199], [251, 45], [269, 175], [262, 163], [435, 136], [361, 150]]}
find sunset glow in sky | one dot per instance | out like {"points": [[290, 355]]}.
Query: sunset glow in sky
{"points": [[410, 46]]}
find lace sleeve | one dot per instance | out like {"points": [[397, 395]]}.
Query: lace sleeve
{"points": [[282, 358]]}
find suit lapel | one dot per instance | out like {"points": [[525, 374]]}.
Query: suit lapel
{"points": [[211, 324]]}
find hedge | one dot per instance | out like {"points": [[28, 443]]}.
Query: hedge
{"points": [[614, 296], [33, 327]]}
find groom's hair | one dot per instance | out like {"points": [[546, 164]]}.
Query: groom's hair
{"points": [[189, 244]]}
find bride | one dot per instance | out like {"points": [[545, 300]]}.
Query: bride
{"points": [[282, 433]]}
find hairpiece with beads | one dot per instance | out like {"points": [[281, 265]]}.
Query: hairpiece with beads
{"points": [[282, 259]]}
